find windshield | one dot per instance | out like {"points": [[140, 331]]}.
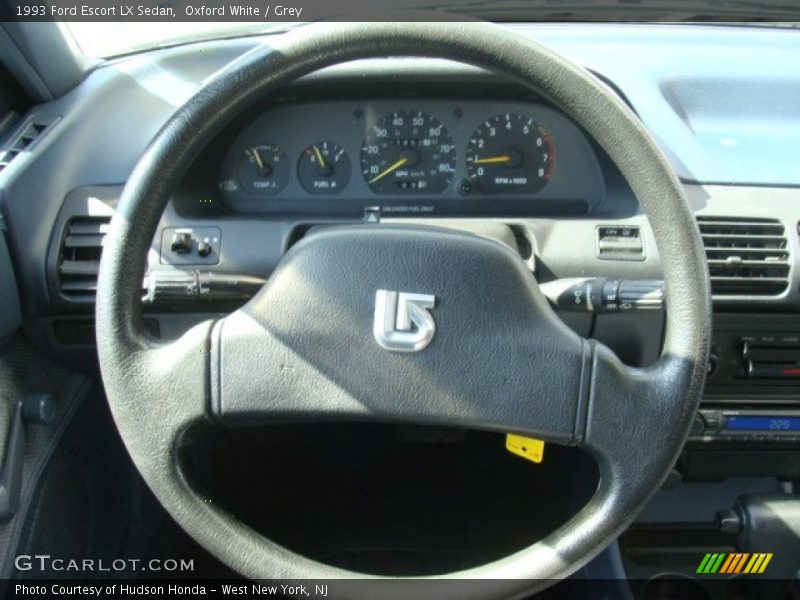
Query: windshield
{"points": [[103, 40], [133, 34]]}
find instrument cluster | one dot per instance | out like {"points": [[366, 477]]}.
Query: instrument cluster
{"points": [[433, 156]]}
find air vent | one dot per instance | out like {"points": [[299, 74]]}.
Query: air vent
{"points": [[22, 141], [79, 261], [746, 257]]}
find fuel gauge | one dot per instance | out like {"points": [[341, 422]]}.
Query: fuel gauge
{"points": [[263, 169], [323, 168]]}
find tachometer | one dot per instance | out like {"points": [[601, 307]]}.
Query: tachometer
{"points": [[408, 151], [510, 153]]}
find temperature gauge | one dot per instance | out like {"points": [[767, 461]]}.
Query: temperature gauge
{"points": [[263, 170]]}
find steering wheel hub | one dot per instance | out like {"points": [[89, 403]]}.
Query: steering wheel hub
{"points": [[305, 346]]}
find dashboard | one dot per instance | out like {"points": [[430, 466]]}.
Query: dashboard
{"points": [[437, 143], [418, 157]]}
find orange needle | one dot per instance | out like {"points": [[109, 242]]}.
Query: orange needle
{"points": [[503, 158]]}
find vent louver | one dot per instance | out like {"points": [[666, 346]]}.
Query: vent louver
{"points": [[23, 140], [746, 257], [79, 259]]}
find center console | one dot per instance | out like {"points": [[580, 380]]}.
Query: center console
{"points": [[733, 493], [748, 424]]}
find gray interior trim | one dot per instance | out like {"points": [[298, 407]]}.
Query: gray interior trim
{"points": [[18, 65], [53, 56], [24, 370]]}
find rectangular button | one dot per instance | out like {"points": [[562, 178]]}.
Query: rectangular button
{"points": [[758, 370]]}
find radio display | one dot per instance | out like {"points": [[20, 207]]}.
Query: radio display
{"points": [[763, 423]]}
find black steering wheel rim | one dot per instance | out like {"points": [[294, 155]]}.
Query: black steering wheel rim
{"points": [[634, 421]]}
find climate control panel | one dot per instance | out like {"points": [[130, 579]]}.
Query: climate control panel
{"points": [[755, 358]]}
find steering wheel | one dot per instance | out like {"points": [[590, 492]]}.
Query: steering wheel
{"points": [[306, 346]]}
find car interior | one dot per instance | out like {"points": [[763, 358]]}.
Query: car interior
{"points": [[403, 304]]}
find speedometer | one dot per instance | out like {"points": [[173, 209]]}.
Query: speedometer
{"points": [[510, 153], [408, 151]]}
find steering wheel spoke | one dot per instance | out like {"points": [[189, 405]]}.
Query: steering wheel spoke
{"points": [[172, 390], [631, 412]]}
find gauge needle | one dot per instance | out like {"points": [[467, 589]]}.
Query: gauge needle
{"points": [[257, 156], [503, 158], [389, 169], [320, 160]]}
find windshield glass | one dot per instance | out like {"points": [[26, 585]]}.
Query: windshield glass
{"points": [[112, 39]]}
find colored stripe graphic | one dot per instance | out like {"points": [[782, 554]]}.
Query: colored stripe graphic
{"points": [[736, 568], [727, 564], [714, 567], [703, 564], [763, 566], [734, 563], [711, 563], [753, 563]]}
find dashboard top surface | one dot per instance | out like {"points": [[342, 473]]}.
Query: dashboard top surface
{"points": [[722, 101], [668, 74]]}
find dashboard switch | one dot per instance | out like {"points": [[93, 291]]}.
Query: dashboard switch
{"points": [[574, 295], [181, 242], [188, 246], [712, 418], [619, 242], [372, 215], [756, 370], [698, 427], [713, 361], [601, 295], [729, 522], [186, 288], [610, 294], [641, 295], [171, 287]]}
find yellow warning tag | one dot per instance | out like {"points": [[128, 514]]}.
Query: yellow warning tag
{"points": [[528, 448]]}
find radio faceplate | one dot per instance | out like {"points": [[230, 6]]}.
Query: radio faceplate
{"points": [[751, 425]]}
